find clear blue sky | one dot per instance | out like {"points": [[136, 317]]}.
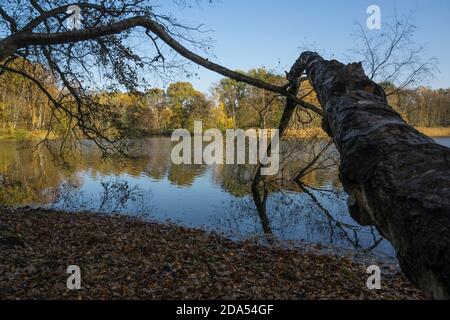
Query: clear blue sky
{"points": [[254, 33]]}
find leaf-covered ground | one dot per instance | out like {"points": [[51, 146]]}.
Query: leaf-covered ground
{"points": [[126, 258]]}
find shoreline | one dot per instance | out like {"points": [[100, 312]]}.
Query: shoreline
{"points": [[435, 132], [23, 135], [123, 257]]}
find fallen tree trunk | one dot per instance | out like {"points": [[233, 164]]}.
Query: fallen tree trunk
{"points": [[397, 178]]}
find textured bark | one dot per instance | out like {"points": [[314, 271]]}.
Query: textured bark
{"points": [[397, 178]]}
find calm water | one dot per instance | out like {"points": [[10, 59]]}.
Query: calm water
{"points": [[217, 198]]}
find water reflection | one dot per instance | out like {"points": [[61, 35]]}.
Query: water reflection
{"points": [[113, 196], [303, 202], [310, 157]]}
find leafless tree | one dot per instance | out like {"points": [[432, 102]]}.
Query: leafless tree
{"points": [[392, 56]]}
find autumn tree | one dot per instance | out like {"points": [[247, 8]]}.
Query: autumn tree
{"points": [[101, 50]]}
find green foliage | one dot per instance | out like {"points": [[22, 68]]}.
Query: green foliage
{"points": [[248, 106], [20, 134]]}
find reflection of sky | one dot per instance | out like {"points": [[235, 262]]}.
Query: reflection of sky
{"points": [[206, 199], [444, 141], [205, 204]]}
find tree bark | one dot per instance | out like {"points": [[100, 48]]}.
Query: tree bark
{"points": [[397, 179]]}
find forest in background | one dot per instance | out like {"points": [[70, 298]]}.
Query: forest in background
{"points": [[26, 112]]}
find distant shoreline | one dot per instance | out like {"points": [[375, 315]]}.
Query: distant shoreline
{"points": [[25, 135], [435, 132]]}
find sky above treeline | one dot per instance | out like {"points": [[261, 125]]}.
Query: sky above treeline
{"points": [[254, 33]]}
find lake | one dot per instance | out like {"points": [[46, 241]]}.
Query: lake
{"points": [[212, 197]]}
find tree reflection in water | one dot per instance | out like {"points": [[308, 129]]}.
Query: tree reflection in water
{"points": [[304, 201], [280, 209], [116, 196]]}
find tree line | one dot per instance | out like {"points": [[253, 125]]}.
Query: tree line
{"points": [[230, 104]]}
